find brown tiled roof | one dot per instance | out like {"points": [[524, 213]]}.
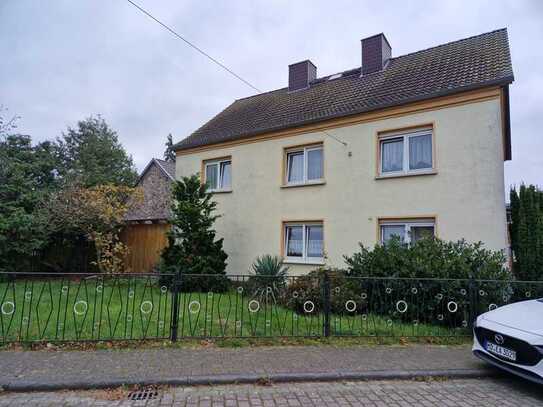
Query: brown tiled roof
{"points": [[470, 63]]}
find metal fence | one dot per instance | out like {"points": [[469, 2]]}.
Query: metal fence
{"points": [[96, 307]]}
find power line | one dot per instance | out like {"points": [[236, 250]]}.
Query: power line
{"points": [[334, 137], [201, 51]]}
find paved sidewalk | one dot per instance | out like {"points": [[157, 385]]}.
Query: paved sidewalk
{"points": [[51, 370], [503, 392]]}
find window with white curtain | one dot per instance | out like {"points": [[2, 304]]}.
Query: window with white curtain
{"points": [[218, 175], [304, 242], [406, 153], [304, 165], [408, 231]]}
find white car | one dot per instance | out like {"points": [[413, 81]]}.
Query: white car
{"points": [[511, 338]]}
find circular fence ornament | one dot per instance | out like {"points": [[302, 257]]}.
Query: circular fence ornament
{"points": [[401, 306], [25, 320], [129, 318], [415, 322], [80, 307], [452, 307], [210, 294], [8, 308], [364, 317], [439, 296], [388, 290], [146, 307], [309, 307], [414, 290], [337, 290], [240, 290], [528, 294], [269, 290], [363, 296], [194, 307], [463, 291], [28, 295], [440, 317], [254, 306], [464, 324], [492, 307], [99, 288], [389, 322], [482, 293], [64, 289], [350, 306], [295, 294], [163, 289], [130, 293]]}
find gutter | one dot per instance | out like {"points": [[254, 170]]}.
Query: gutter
{"points": [[507, 153]]}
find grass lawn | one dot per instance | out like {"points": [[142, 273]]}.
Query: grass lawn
{"points": [[138, 308]]}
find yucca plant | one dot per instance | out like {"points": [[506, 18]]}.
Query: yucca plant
{"points": [[269, 271]]}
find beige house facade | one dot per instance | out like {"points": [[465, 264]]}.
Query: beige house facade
{"points": [[312, 192]]}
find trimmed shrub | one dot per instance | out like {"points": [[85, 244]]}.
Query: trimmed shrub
{"points": [[310, 288], [415, 295], [428, 258]]}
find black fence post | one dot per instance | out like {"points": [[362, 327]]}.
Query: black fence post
{"points": [[326, 304], [473, 302], [176, 285]]}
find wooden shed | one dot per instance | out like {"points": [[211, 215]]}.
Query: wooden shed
{"points": [[145, 232]]}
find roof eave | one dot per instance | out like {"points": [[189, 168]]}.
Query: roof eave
{"points": [[447, 92], [162, 169]]}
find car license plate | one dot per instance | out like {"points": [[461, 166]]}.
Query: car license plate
{"points": [[501, 351]]}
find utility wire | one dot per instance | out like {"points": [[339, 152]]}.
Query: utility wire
{"points": [[201, 51], [334, 137]]}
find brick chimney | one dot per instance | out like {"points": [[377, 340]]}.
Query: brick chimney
{"points": [[376, 51], [300, 74]]}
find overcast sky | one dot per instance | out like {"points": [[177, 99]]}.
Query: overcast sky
{"points": [[63, 60]]}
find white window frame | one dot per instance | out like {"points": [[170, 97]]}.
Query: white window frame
{"points": [[304, 259], [408, 224], [219, 163], [305, 151], [405, 164]]}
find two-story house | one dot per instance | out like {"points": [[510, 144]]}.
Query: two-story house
{"points": [[408, 145]]}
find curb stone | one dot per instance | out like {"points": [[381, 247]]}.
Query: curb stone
{"points": [[222, 379]]}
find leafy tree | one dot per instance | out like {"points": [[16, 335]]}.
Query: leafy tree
{"points": [[27, 175], [192, 246], [7, 125], [526, 231], [97, 213], [169, 153], [92, 155]]}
